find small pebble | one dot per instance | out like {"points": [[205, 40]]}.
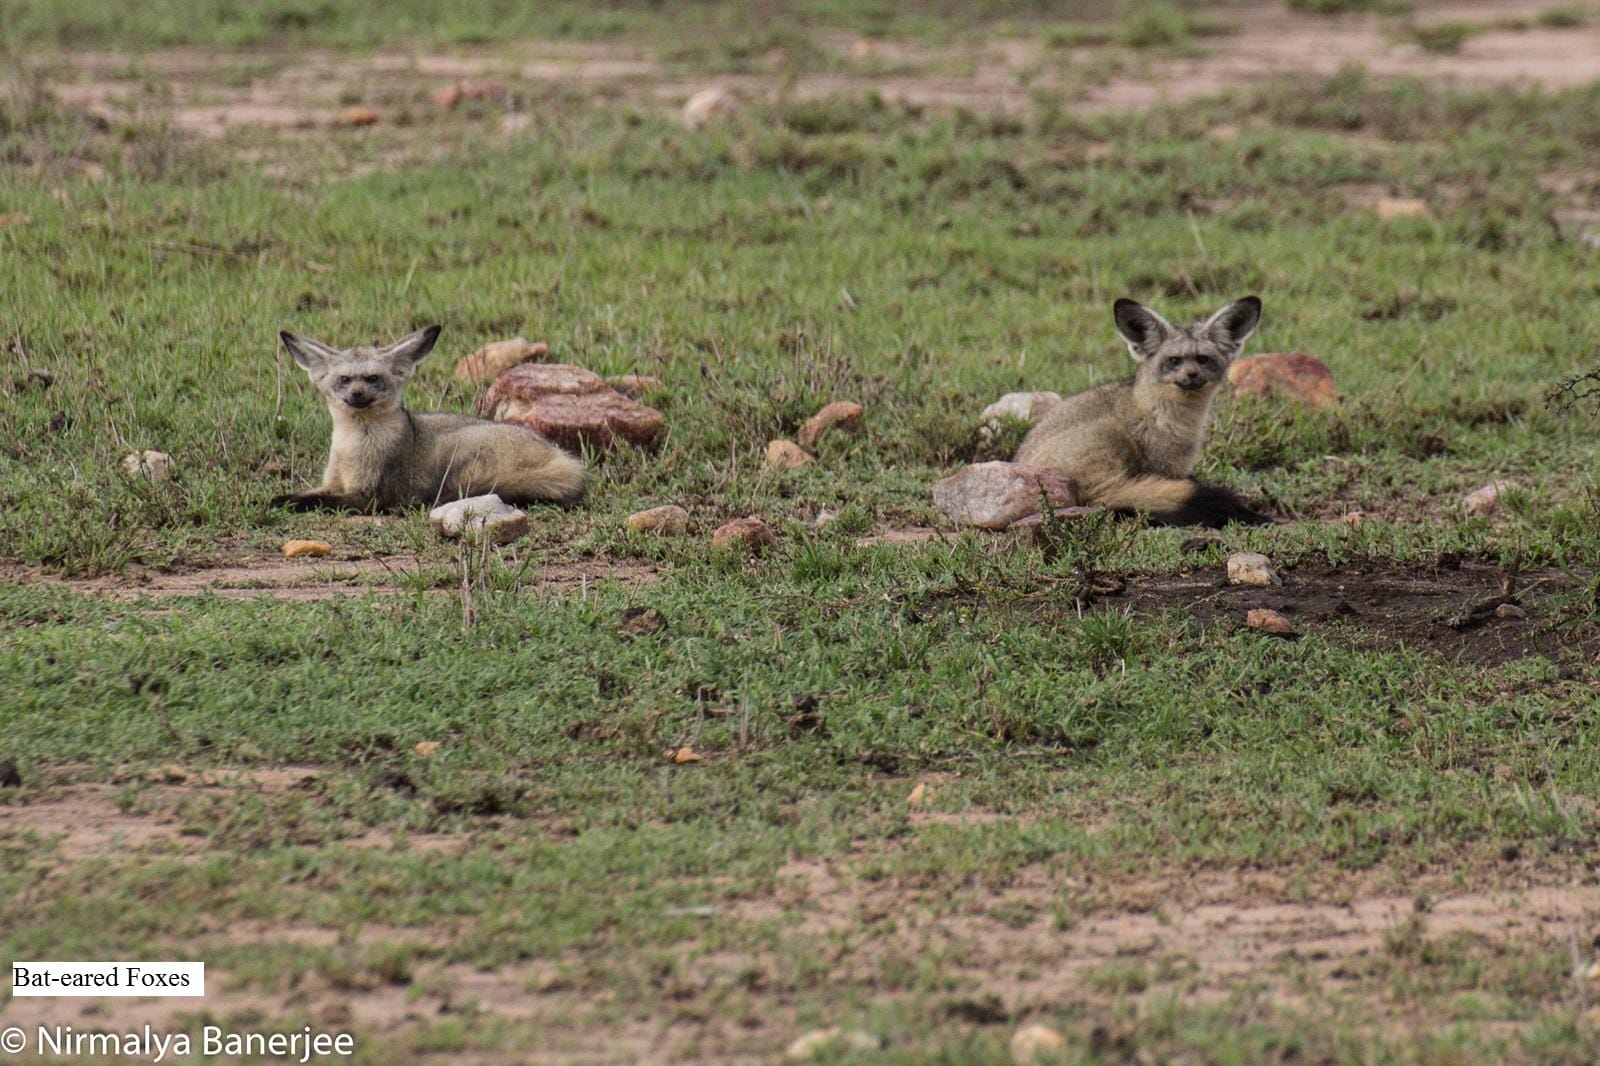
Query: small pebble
{"points": [[1036, 1043], [751, 534], [841, 413], [1509, 610], [1269, 621], [831, 1040], [668, 521], [151, 465], [1483, 502], [787, 455]]}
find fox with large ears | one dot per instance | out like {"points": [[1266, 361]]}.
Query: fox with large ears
{"points": [[1132, 445], [385, 458]]}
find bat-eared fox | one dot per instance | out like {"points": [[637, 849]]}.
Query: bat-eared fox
{"points": [[384, 457], [1132, 445]]}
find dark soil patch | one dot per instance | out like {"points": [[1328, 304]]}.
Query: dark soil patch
{"points": [[1446, 609]]}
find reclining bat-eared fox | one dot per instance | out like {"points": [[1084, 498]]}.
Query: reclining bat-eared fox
{"points": [[385, 458], [1132, 445]]}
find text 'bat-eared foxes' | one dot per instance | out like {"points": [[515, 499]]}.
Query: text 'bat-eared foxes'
{"points": [[1132, 445], [385, 458]]}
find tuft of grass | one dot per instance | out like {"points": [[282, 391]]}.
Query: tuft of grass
{"points": [[1564, 17], [1343, 7], [1162, 24], [1442, 37]]}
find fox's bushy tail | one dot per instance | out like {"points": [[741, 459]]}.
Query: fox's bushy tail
{"points": [[1181, 502]]}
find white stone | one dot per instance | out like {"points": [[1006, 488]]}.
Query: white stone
{"points": [[1036, 1043], [1251, 568], [1485, 501], [150, 465], [490, 514], [832, 1040], [1028, 406], [708, 106]]}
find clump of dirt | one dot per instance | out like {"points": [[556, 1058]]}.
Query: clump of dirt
{"points": [[1449, 609]]}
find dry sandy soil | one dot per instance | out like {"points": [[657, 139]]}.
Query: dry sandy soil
{"points": [[1211, 937], [309, 89]]}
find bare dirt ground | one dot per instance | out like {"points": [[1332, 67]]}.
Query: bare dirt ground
{"points": [[1449, 609], [206, 93], [252, 575], [1047, 940]]}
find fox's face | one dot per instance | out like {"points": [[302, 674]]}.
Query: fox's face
{"points": [[362, 380], [1191, 358]]}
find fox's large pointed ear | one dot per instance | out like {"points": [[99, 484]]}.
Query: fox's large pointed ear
{"points": [[312, 355], [408, 350], [1142, 328], [1232, 324]]}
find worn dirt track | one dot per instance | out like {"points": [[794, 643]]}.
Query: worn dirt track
{"points": [[304, 90]]}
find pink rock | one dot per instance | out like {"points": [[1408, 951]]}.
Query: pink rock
{"points": [[834, 414], [994, 495], [747, 534], [571, 406], [1294, 375]]}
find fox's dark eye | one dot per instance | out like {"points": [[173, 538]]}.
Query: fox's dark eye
{"points": [[372, 379], [1202, 360], [1173, 363], [343, 380]]}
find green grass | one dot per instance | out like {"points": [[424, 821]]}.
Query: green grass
{"points": [[922, 262]]}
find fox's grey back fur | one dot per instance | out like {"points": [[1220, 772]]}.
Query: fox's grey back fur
{"points": [[384, 457], [1134, 444]]}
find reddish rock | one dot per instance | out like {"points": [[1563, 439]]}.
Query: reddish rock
{"points": [[571, 406], [357, 116], [787, 455], [835, 414], [748, 534], [451, 96], [1269, 621], [496, 357], [1293, 375], [994, 495]]}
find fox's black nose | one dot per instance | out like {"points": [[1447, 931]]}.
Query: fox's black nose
{"points": [[358, 400]]}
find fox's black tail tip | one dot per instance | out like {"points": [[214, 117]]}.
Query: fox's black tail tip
{"points": [[1215, 507]]}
